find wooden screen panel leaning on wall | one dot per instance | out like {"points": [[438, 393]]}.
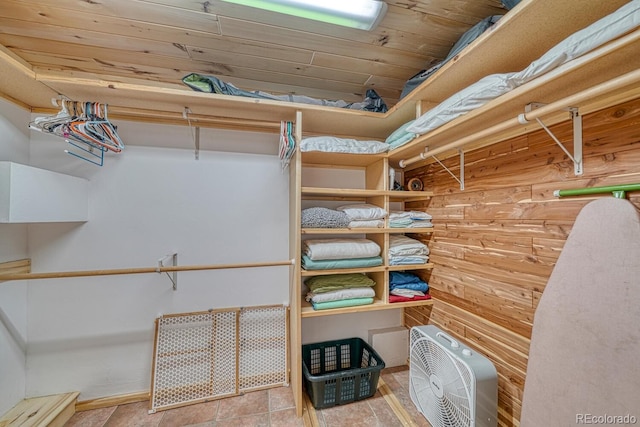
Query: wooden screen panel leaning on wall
{"points": [[495, 243]]}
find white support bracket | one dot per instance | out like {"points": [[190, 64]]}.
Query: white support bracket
{"points": [[197, 143], [174, 263], [195, 133], [461, 179], [576, 118]]}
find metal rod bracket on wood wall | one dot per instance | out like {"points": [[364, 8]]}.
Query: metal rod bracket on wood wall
{"points": [[576, 119], [461, 179]]}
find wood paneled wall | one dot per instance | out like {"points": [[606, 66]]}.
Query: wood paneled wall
{"points": [[495, 243]]}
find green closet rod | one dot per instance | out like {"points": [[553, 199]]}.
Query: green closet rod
{"points": [[618, 191]]}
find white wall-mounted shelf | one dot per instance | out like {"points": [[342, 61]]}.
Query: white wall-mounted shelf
{"points": [[29, 195]]}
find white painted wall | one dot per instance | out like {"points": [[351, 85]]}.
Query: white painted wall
{"points": [[14, 146], [95, 334], [330, 328]]}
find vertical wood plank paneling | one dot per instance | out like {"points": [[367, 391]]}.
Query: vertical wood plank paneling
{"points": [[495, 243]]}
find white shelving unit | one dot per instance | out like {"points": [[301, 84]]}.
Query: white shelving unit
{"points": [[29, 195]]}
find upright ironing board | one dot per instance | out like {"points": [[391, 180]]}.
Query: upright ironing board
{"points": [[584, 360]]}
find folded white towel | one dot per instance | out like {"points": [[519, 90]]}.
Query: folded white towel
{"points": [[401, 245], [399, 215], [320, 249], [418, 215], [363, 211], [363, 223], [406, 293], [340, 294]]}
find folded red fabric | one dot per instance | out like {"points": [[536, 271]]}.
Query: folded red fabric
{"points": [[396, 298]]}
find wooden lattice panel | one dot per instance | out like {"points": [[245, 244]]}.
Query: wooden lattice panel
{"points": [[215, 354], [263, 336]]}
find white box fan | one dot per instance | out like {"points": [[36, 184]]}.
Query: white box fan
{"points": [[451, 384]]}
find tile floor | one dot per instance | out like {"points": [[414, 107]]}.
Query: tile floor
{"points": [[264, 408]]}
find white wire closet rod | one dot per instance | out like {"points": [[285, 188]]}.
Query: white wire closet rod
{"points": [[601, 89], [86, 273]]}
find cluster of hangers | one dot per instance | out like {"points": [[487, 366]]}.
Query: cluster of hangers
{"points": [[287, 143], [84, 125]]}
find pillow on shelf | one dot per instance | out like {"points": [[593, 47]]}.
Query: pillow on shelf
{"points": [[470, 35], [332, 144], [363, 211]]}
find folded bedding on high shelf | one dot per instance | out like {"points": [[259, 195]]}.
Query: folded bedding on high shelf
{"points": [[404, 286], [332, 144], [348, 216], [339, 290], [404, 250], [474, 96], [212, 84], [410, 219], [321, 254]]}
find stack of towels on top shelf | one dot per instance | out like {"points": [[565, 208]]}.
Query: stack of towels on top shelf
{"points": [[407, 287], [364, 215], [339, 290], [328, 254], [410, 219], [348, 216], [404, 250]]}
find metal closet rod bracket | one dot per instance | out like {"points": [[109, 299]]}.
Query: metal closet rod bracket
{"points": [[424, 155], [576, 118], [174, 263], [461, 179], [195, 132]]}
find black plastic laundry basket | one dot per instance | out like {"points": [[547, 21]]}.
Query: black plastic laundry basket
{"points": [[339, 372]]}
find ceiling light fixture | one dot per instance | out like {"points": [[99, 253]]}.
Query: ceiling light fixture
{"points": [[362, 14]]}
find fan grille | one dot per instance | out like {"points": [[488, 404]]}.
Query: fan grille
{"points": [[440, 385]]}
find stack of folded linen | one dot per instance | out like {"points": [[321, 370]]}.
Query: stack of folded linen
{"points": [[339, 290], [404, 250], [327, 254], [409, 219], [400, 136], [333, 144], [405, 286], [364, 215], [319, 217]]}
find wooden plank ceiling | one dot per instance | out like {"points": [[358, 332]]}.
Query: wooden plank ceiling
{"points": [[164, 40]]}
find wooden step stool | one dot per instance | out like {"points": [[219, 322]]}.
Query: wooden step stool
{"points": [[45, 411]]}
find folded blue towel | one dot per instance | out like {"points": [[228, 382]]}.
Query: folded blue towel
{"points": [[422, 287], [401, 278]]}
